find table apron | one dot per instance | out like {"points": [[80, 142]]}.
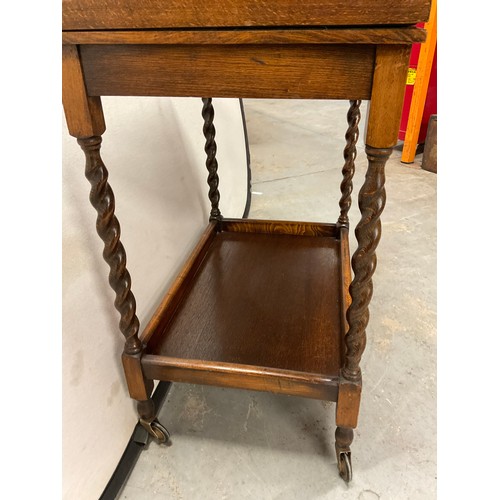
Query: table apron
{"points": [[249, 71]]}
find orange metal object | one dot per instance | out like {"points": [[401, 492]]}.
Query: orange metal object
{"points": [[424, 68]]}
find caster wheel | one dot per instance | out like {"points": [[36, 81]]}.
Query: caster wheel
{"points": [[156, 431], [159, 432], [345, 467]]}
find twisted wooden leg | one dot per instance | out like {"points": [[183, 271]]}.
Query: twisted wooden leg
{"points": [[211, 162], [364, 260], [108, 228], [390, 72], [351, 137]]}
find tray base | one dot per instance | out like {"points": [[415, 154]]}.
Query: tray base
{"points": [[261, 308]]}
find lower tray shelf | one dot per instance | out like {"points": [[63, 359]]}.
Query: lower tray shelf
{"points": [[259, 305]]}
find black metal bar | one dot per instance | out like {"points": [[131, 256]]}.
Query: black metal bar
{"points": [[249, 168], [138, 441]]}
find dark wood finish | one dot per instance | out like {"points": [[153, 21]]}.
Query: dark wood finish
{"points": [[382, 129], [211, 162], [181, 285], [137, 14], [246, 37], [371, 200], [203, 277], [349, 393], [146, 410], [240, 376], [346, 279], [108, 228], [274, 71], [84, 115], [351, 137], [254, 311], [343, 440], [278, 227], [261, 300]]}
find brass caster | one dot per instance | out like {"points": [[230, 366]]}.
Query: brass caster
{"points": [[344, 465], [156, 431]]}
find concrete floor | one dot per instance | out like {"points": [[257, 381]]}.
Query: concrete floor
{"points": [[230, 444]]}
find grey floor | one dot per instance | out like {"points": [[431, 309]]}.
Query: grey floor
{"points": [[230, 444]]}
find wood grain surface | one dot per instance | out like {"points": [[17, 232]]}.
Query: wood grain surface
{"points": [[173, 297], [239, 376], [279, 227], [247, 71], [386, 102], [245, 37], [140, 14], [349, 399], [139, 388], [84, 116], [346, 279], [261, 300]]}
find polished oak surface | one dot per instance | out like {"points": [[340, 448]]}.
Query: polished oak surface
{"points": [[274, 36], [147, 14], [334, 71], [261, 300]]}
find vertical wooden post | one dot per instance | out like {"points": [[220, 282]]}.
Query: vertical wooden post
{"points": [[84, 115], [350, 152], [381, 135], [211, 163], [85, 120], [382, 131]]}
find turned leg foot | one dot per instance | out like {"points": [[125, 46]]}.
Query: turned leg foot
{"points": [[147, 418], [343, 440]]}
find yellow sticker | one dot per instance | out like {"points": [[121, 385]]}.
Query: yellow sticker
{"points": [[412, 75]]}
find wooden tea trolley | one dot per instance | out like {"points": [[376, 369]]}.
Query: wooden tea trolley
{"points": [[262, 305]]}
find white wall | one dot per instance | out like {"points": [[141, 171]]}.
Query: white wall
{"points": [[153, 149]]}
